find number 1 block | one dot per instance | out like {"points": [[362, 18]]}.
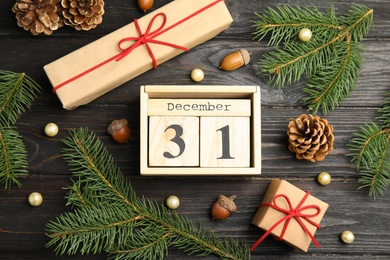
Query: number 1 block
{"points": [[173, 141], [225, 142]]}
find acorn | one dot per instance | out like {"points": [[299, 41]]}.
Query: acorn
{"points": [[145, 5], [235, 60], [222, 207], [119, 131]]}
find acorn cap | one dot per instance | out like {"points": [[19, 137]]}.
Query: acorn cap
{"points": [[116, 125], [245, 56], [227, 202]]}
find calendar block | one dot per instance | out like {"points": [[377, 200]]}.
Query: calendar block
{"points": [[200, 130], [224, 142], [173, 141]]}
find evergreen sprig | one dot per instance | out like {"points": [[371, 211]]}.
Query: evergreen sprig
{"points": [[370, 150], [13, 157], [331, 60], [109, 217], [17, 93]]}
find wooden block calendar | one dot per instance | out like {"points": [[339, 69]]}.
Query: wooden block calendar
{"points": [[200, 130]]}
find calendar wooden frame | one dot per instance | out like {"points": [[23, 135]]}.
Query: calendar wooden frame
{"points": [[251, 93]]}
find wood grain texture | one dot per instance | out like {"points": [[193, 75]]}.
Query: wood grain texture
{"points": [[22, 228]]}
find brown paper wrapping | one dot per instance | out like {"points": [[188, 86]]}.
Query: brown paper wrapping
{"points": [[201, 27], [295, 235]]}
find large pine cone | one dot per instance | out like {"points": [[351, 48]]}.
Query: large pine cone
{"points": [[83, 14], [38, 16], [310, 137]]}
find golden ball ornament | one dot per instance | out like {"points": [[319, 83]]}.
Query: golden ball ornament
{"points": [[347, 237], [324, 178], [172, 202], [35, 199], [51, 129], [304, 35], [197, 75]]}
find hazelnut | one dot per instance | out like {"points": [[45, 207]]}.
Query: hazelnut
{"points": [[222, 207], [119, 130], [235, 60]]}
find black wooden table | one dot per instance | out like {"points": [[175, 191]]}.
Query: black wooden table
{"points": [[22, 227]]}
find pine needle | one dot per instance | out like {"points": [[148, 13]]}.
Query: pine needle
{"points": [[331, 60], [17, 93], [109, 217], [370, 150], [13, 157]]}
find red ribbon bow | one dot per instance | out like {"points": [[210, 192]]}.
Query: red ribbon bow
{"points": [[291, 213], [144, 38], [147, 37]]}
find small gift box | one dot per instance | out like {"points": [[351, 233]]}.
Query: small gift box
{"points": [[93, 70], [289, 214]]}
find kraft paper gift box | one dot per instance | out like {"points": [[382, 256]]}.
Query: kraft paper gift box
{"points": [[275, 214], [93, 70]]}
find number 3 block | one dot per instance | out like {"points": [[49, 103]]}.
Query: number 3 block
{"points": [[173, 141], [224, 142]]}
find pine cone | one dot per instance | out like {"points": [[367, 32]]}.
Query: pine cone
{"points": [[83, 14], [310, 137], [38, 16]]}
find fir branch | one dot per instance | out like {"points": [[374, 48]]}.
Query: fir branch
{"points": [[329, 87], [17, 93], [109, 217], [284, 23], [13, 162], [370, 150], [333, 40], [384, 118]]}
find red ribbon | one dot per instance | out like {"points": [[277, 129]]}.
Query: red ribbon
{"points": [[291, 213], [143, 39]]}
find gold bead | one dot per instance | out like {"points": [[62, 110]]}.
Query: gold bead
{"points": [[347, 237], [324, 178], [304, 35], [197, 75], [51, 129], [35, 199], [172, 202]]}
